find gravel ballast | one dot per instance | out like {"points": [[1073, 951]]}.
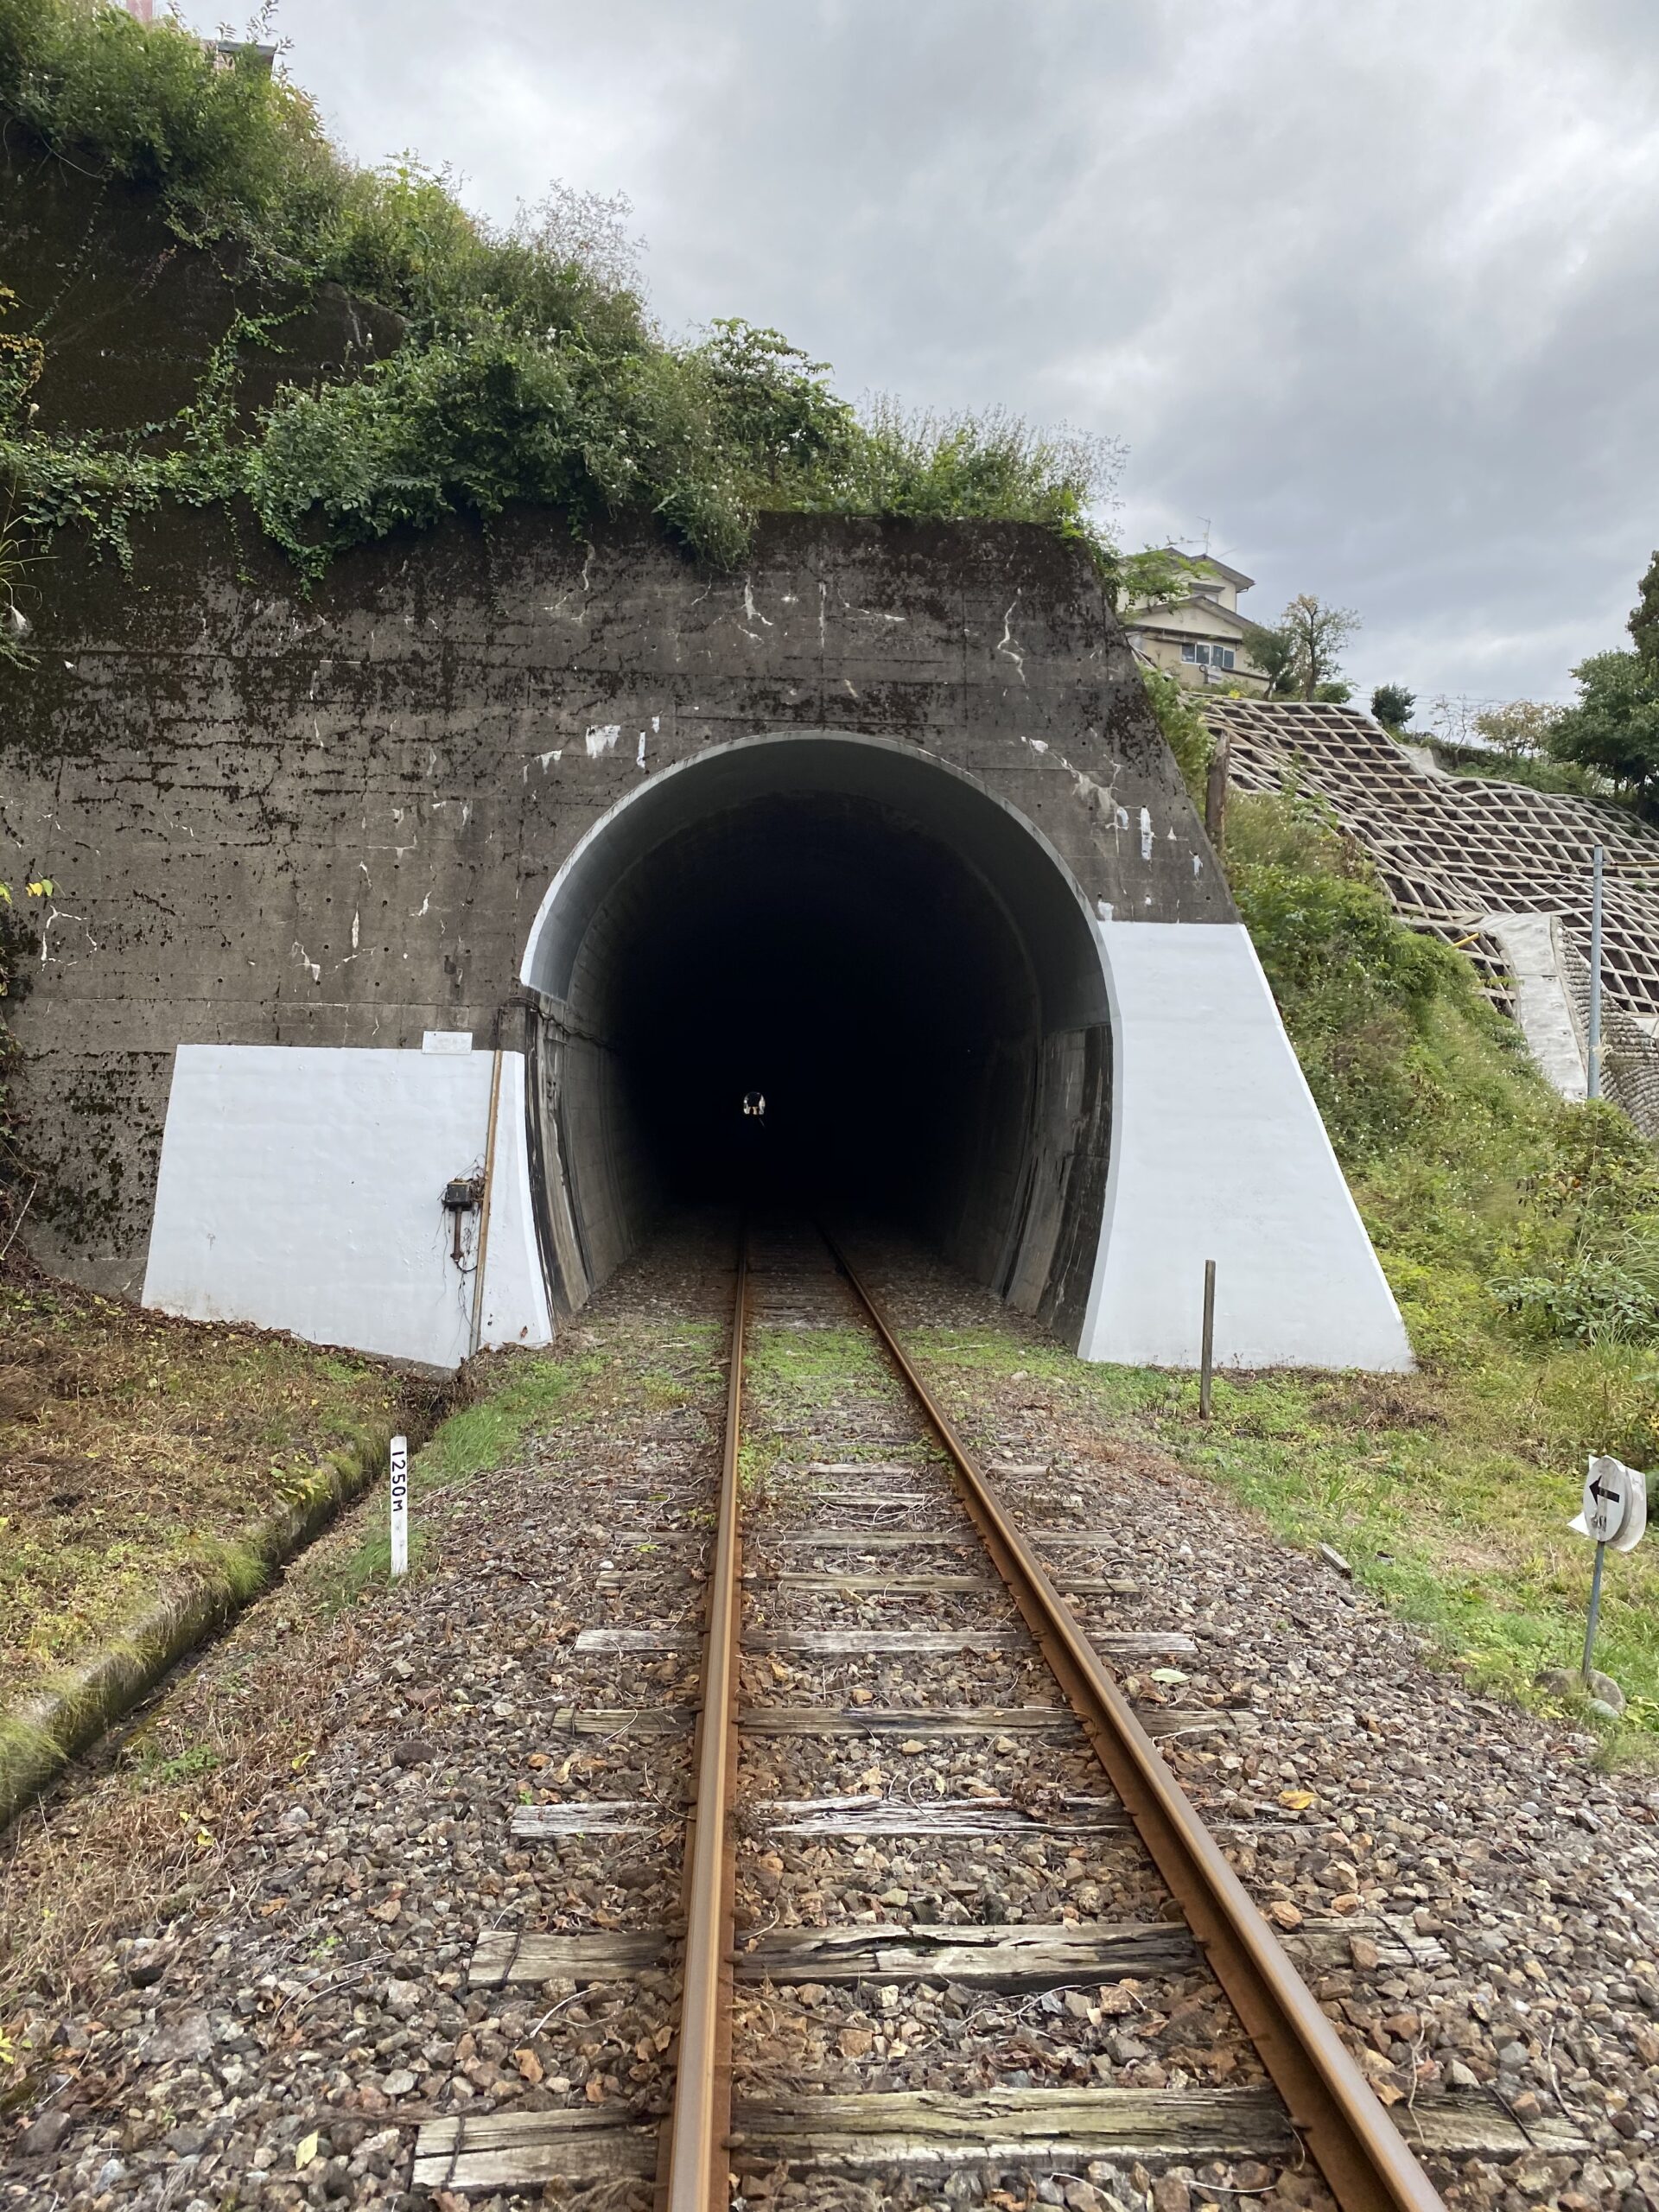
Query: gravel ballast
{"points": [[278, 2043]]}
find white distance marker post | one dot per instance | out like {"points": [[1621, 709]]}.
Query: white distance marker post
{"points": [[1615, 1511], [400, 1507]]}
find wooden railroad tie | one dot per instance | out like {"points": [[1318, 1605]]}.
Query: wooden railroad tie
{"points": [[1015, 1955], [1051, 1720], [848, 1815], [920, 2130], [613, 1580], [829, 1643]]}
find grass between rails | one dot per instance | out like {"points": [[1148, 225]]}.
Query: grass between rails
{"points": [[135, 1449], [816, 1374]]}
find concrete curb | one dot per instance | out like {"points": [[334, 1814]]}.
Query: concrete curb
{"points": [[39, 1736]]}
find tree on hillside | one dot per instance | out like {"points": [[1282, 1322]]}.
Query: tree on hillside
{"points": [[1392, 704], [1522, 727], [1317, 634], [1614, 728], [1275, 655], [1644, 615]]}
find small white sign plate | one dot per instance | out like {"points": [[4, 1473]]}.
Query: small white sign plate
{"points": [[447, 1040], [400, 1507], [1615, 1508]]}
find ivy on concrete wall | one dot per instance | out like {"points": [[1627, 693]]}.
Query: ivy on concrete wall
{"points": [[530, 370], [18, 939]]}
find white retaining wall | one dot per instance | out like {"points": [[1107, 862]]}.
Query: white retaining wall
{"points": [[1218, 1153], [301, 1187]]}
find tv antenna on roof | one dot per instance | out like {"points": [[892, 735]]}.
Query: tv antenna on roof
{"points": [[1204, 520]]}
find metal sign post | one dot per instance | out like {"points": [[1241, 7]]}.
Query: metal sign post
{"points": [[1614, 1511], [400, 1507], [1207, 1348], [1587, 1666]]}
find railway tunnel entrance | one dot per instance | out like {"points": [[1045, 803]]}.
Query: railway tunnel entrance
{"points": [[888, 954]]}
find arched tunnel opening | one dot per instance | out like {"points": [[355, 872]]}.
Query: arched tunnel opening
{"points": [[878, 948], [851, 972]]}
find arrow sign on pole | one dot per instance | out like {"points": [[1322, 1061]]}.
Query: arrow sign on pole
{"points": [[1615, 1510]]}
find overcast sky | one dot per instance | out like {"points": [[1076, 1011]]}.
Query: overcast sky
{"points": [[1371, 292]]}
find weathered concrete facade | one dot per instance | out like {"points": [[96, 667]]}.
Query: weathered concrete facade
{"points": [[333, 822], [478, 784]]}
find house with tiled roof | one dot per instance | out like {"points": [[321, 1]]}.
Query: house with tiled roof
{"points": [[1197, 635]]}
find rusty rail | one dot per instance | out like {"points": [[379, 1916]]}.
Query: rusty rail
{"points": [[694, 2153], [1366, 2164]]}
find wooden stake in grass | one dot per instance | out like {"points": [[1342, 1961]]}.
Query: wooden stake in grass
{"points": [[400, 1507], [1207, 1356], [1214, 797]]}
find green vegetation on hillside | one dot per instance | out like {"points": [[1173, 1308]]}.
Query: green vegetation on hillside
{"points": [[136, 1450], [1520, 1235], [1612, 729], [529, 371], [1542, 771], [1508, 1217], [18, 939], [1392, 703], [1520, 742]]}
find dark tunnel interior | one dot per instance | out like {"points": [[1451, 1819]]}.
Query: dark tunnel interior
{"points": [[891, 959], [849, 969]]}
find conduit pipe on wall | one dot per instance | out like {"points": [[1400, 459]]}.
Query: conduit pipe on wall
{"points": [[476, 1334]]}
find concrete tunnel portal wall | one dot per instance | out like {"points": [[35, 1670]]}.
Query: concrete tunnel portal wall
{"points": [[515, 852], [893, 954]]}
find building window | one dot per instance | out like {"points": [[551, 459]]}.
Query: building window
{"points": [[1209, 656]]}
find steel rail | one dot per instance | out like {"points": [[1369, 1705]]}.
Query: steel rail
{"points": [[695, 2147], [1365, 2162]]}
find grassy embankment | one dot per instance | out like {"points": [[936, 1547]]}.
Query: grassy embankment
{"points": [[157, 1818], [1522, 1238], [135, 1450]]}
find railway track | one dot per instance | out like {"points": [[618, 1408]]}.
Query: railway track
{"points": [[1062, 1984]]}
